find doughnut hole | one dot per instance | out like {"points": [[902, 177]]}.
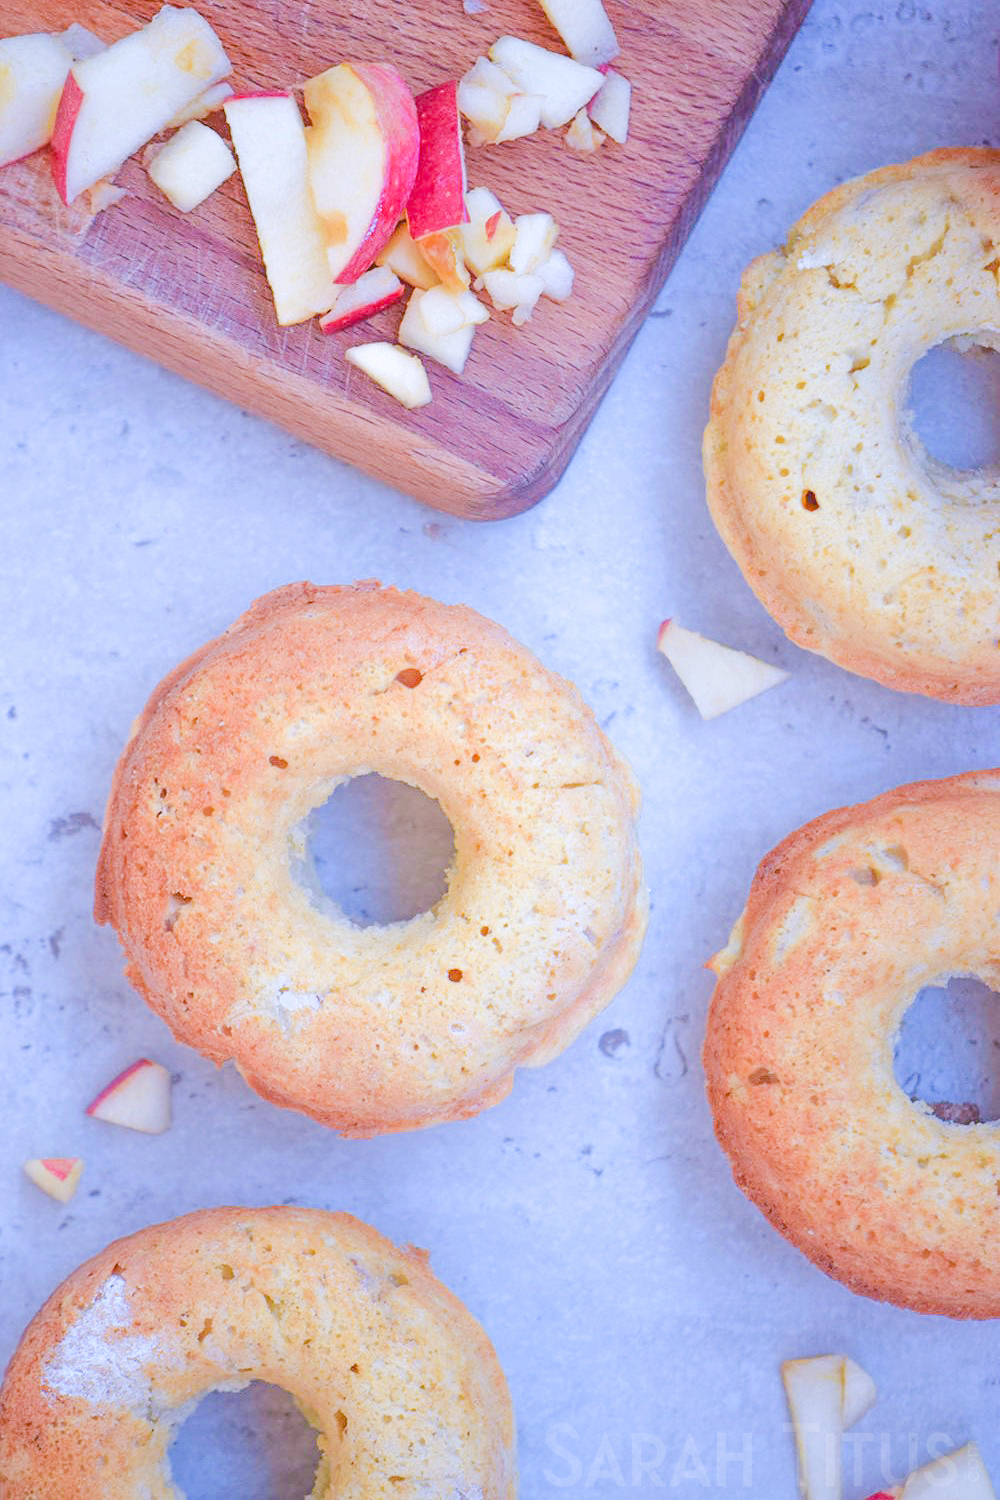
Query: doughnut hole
{"points": [[954, 405], [948, 1050], [380, 850], [253, 1444]]}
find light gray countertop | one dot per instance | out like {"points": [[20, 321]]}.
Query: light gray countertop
{"points": [[637, 1301]]}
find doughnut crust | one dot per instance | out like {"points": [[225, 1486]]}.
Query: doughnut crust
{"points": [[204, 875], [846, 922], [399, 1380], [860, 544]]}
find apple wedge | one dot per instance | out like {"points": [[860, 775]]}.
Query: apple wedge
{"points": [[138, 1099], [449, 348], [363, 145], [437, 198], [117, 100], [955, 1476], [586, 28], [565, 86], [191, 165], [611, 105], [377, 289], [397, 372], [717, 677], [489, 235], [270, 142], [33, 70], [402, 256], [59, 1176]]}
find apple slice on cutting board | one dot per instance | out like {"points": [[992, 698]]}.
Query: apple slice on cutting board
{"points": [[437, 198], [33, 70], [139, 1099], [717, 677], [363, 147], [376, 290], [270, 143], [117, 100]]}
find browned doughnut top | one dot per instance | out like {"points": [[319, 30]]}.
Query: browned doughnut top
{"points": [[846, 922], [861, 544], [400, 1382], [382, 1028]]}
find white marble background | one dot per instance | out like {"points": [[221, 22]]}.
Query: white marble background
{"points": [[590, 1221]]}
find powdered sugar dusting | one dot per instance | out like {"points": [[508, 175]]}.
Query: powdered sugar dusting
{"points": [[95, 1362]]}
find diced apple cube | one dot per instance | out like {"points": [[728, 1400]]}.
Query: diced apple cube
{"points": [[403, 256], [191, 165], [448, 349], [489, 234], [534, 237], [59, 1176], [523, 117], [586, 29], [397, 372], [443, 253], [557, 277], [611, 106], [446, 312], [33, 70], [518, 294], [566, 86], [581, 135], [717, 677]]}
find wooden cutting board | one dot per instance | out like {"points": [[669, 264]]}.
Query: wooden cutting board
{"points": [[189, 290]]}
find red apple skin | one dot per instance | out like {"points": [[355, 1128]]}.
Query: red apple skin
{"points": [[116, 1083], [396, 113], [59, 1166], [334, 325], [70, 101], [438, 197]]}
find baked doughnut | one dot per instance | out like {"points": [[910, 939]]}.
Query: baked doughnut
{"points": [[846, 922], [399, 1380], [416, 1022], [862, 546]]}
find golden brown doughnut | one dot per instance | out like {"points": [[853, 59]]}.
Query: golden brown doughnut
{"points": [[382, 1028]]}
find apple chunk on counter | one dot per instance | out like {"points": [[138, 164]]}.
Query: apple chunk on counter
{"points": [[117, 100], [138, 1099], [33, 70], [363, 148], [270, 142], [59, 1176]]}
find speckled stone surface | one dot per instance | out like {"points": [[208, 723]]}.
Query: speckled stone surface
{"points": [[639, 1304]]}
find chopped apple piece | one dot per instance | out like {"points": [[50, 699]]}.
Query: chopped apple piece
{"points": [[208, 103], [364, 146], [446, 312], [510, 292], [611, 106], [566, 86], [523, 117], [448, 349], [443, 253], [717, 677], [486, 111], [534, 237], [586, 29], [437, 199], [486, 74], [397, 372], [191, 165], [815, 1391], [557, 277], [81, 42], [117, 100], [59, 1176], [403, 257], [270, 142], [581, 135], [376, 290], [138, 1099], [489, 235], [955, 1476], [33, 70], [859, 1392]]}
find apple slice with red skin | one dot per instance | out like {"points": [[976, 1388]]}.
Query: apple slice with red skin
{"points": [[376, 290], [59, 1176], [115, 101], [364, 144], [33, 71], [437, 199], [139, 1099]]}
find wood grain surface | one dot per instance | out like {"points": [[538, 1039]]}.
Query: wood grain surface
{"points": [[189, 291]]}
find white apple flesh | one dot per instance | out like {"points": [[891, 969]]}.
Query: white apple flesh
{"points": [[270, 142], [437, 198], [523, 117], [400, 374], [611, 106], [955, 1476], [585, 27], [81, 42], [564, 85], [581, 135], [191, 166], [402, 256], [717, 677], [59, 1176], [208, 103], [363, 147], [33, 70], [557, 277], [448, 349], [489, 235], [138, 1099], [534, 237], [515, 293], [376, 290], [815, 1392], [117, 100]]}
